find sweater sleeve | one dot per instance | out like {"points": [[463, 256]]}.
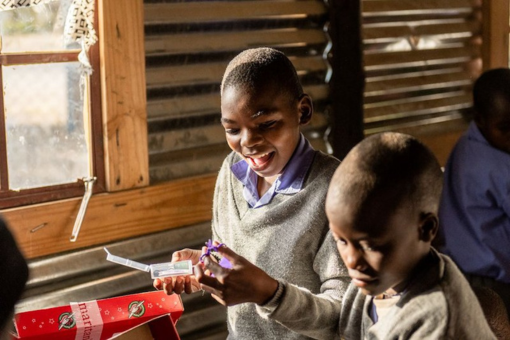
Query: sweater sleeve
{"points": [[221, 182], [313, 315]]}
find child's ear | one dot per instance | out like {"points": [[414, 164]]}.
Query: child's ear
{"points": [[429, 226], [305, 108]]}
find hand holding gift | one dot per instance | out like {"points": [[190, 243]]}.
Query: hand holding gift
{"points": [[242, 282], [180, 284]]}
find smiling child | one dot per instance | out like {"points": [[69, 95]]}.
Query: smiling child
{"points": [[382, 208], [269, 203]]}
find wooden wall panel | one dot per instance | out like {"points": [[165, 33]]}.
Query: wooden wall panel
{"points": [[112, 217]]}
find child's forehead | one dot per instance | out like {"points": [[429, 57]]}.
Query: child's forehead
{"points": [[384, 229], [264, 97], [373, 213]]}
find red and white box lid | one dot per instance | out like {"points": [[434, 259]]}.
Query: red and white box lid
{"points": [[103, 319]]}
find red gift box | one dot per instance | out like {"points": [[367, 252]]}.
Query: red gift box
{"points": [[103, 319]]}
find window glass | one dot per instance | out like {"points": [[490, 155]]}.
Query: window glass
{"points": [[46, 131], [37, 28]]}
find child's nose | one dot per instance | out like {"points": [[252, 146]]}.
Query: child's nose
{"points": [[354, 259], [250, 138]]}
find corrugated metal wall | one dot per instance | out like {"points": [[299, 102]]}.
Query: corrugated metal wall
{"points": [[188, 45], [421, 58]]}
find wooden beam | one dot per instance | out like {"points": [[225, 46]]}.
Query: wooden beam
{"points": [[45, 229], [414, 106], [11, 59], [419, 82], [391, 6], [214, 11], [400, 30], [199, 42], [124, 100], [495, 31], [440, 134], [375, 61]]}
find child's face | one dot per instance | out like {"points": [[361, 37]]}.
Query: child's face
{"points": [[262, 126], [380, 247], [496, 130]]}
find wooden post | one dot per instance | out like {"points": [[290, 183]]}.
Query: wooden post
{"points": [[124, 98], [347, 81], [495, 33]]}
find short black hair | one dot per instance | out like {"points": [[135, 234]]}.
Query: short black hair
{"points": [[257, 67], [389, 163], [491, 93]]}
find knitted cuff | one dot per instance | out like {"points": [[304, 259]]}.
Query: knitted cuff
{"points": [[275, 300]]}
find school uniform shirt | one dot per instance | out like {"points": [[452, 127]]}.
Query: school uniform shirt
{"points": [[437, 304], [288, 183], [474, 214], [288, 237]]}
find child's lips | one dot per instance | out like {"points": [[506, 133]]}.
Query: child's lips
{"points": [[260, 161], [363, 281]]}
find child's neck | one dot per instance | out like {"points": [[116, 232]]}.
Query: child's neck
{"points": [[264, 183], [424, 263]]}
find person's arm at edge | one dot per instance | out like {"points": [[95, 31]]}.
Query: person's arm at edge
{"points": [[313, 315], [14, 273]]}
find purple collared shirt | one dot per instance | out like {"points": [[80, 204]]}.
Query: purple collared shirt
{"points": [[474, 214], [289, 182]]}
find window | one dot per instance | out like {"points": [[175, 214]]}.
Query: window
{"points": [[48, 113]]}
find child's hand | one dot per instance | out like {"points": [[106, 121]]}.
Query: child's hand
{"points": [[179, 284], [245, 282]]}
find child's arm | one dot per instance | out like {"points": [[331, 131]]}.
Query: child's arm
{"points": [[179, 284], [314, 315]]}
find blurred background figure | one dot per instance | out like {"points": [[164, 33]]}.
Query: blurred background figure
{"points": [[13, 276], [474, 214]]}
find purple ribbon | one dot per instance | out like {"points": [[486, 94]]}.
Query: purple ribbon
{"points": [[210, 248]]}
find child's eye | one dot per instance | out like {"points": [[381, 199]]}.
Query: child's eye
{"points": [[231, 131], [267, 125], [368, 247], [341, 242]]}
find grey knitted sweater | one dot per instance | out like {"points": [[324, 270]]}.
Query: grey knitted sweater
{"points": [[289, 239], [438, 304]]}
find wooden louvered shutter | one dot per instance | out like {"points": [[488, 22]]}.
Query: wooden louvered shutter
{"points": [[420, 59]]}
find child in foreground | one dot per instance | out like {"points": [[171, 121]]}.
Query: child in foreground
{"points": [[269, 201], [475, 205], [382, 208]]}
